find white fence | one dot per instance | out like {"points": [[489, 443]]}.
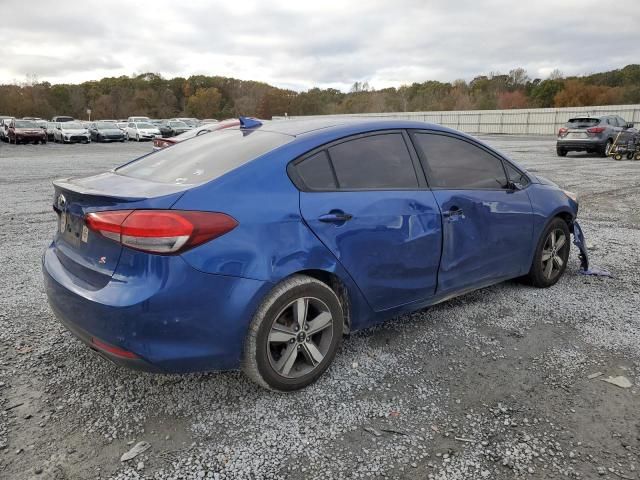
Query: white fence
{"points": [[529, 121]]}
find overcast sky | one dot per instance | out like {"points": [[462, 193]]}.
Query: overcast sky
{"points": [[325, 43]]}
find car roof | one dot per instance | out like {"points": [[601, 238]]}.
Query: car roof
{"points": [[300, 127]]}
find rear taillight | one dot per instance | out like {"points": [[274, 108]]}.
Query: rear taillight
{"points": [[596, 130], [161, 143], [160, 231], [562, 132]]}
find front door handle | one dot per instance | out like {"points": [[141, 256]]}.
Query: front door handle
{"points": [[335, 216], [454, 212]]}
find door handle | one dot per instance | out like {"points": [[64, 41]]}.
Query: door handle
{"points": [[454, 212], [335, 216]]}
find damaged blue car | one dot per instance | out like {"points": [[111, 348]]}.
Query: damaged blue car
{"points": [[258, 247]]}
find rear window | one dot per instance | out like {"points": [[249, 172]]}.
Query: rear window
{"points": [[205, 157], [582, 122]]}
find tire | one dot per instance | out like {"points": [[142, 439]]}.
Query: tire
{"points": [[606, 148], [137, 137], [637, 156], [541, 275], [267, 349], [561, 152], [617, 156], [630, 156]]}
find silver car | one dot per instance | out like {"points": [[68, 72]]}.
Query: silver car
{"points": [[71, 132], [593, 134]]}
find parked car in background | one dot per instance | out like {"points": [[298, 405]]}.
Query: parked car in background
{"points": [[25, 131], [71, 132], [138, 119], [63, 118], [192, 122], [106, 132], [122, 126], [50, 129], [160, 143], [4, 127], [139, 131], [593, 134], [174, 128], [259, 247]]}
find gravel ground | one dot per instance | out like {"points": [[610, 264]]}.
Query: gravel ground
{"points": [[495, 384]]}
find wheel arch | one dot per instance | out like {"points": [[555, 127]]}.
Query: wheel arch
{"points": [[338, 286]]}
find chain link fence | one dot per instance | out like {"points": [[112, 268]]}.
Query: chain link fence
{"points": [[528, 121]]}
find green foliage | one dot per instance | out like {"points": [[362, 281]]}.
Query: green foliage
{"points": [[221, 97]]}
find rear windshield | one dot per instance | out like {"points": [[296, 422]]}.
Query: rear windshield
{"points": [[205, 157], [582, 122]]}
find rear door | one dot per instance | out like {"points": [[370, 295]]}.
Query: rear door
{"points": [[487, 220], [366, 199]]}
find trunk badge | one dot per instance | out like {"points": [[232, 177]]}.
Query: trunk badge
{"points": [[102, 260]]}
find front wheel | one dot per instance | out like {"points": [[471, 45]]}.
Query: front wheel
{"points": [[137, 138], [294, 335], [551, 255]]}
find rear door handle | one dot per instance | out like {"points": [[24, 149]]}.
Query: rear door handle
{"points": [[337, 216]]}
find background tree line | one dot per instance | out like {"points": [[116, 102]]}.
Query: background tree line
{"points": [[222, 97]]}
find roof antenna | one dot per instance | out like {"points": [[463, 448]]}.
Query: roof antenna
{"points": [[247, 122]]}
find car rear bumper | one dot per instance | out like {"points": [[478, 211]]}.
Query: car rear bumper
{"points": [[581, 144], [172, 317]]}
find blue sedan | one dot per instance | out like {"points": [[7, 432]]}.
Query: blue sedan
{"points": [[260, 246]]}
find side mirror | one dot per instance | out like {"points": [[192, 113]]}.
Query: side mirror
{"points": [[629, 125]]}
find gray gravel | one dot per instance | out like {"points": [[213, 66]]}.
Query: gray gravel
{"points": [[492, 385]]}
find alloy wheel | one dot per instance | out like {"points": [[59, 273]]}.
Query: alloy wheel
{"points": [[553, 253], [300, 337]]}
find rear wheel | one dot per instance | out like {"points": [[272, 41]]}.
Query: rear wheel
{"points": [[552, 254], [561, 152], [606, 148], [294, 335]]}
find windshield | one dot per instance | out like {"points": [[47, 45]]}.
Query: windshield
{"points": [[203, 158], [71, 126], [582, 122], [26, 124], [145, 125], [105, 125], [178, 124]]}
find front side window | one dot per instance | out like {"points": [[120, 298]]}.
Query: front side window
{"points": [[373, 162], [516, 176], [454, 163]]}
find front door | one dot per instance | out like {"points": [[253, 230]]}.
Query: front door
{"points": [[487, 219]]}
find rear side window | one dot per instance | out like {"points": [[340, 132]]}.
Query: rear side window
{"points": [[204, 158], [316, 173], [373, 162], [456, 164]]}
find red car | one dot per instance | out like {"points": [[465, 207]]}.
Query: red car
{"points": [[25, 131], [160, 143]]}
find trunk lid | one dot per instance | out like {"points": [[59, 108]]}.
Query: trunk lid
{"points": [[87, 255]]}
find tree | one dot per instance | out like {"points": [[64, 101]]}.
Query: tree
{"points": [[205, 103], [516, 99]]}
